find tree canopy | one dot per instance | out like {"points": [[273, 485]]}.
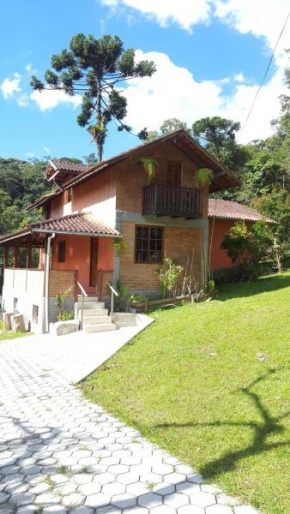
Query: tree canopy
{"points": [[95, 69]]}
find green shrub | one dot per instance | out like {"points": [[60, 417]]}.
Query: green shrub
{"points": [[65, 316]]}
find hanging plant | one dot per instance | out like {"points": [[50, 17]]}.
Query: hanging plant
{"points": [[204, 176], [119, 246], [150, 166]]}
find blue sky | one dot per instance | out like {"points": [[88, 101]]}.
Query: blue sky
{"points": [[210, 56]]}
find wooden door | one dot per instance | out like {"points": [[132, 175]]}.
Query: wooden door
{"points": [[94, 262], [173, 176]]}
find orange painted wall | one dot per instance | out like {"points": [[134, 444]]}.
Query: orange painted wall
{"points": [[219, 258], [78, 256]]}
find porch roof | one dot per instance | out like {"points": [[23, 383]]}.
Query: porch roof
{"points": [[79, 224], [225, 209]]}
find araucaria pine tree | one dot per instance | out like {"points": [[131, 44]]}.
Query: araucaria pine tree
{"points": [[94, 68]]}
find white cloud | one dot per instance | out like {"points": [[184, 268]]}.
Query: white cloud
{"points": [[260, 18], [185, 13], [11, 86], [49, 99], [46, 149], [173, 92]]}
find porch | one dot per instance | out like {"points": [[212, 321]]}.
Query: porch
{"points": [[75, 253]]}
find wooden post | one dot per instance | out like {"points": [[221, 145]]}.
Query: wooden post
{"points": [[16, 256], [28, 255], [6, 263]]}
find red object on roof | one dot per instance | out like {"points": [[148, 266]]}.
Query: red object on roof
{"points": [[224, 209]]}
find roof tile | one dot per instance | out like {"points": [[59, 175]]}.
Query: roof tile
{"points": [[224, 209]]}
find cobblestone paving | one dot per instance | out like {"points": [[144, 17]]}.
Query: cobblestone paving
{"points": [[59, 453]]}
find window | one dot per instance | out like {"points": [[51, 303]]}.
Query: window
{"points": [[173, 177], [68, 195], [61, 251], [149, 244]]}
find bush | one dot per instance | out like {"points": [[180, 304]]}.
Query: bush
{"points": [[65, 316], [241, 273]]}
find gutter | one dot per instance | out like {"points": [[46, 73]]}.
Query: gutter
{"points": [[46, 284]]}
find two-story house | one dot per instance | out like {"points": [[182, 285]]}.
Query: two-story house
{"points": [[95, 207]]}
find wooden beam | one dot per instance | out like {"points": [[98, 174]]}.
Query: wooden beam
{"points": [[16, 256], [6, 262], [28, 256]]}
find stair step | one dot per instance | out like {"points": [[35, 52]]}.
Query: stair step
{"points": [[92, 305], [93, 312], [101, 327], [88, 298], [94, 320]]}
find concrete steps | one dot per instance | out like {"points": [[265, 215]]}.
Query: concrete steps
{"points": [[100, 327], [95, 316]]}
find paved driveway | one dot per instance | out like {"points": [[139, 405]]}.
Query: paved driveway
{"points": [[59, 453]]}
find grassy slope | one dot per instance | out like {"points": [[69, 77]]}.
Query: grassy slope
{"points": [[186, 384]]}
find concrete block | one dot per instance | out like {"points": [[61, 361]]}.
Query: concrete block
{"points": [[17, 323], [7, 320], [61, 328]]}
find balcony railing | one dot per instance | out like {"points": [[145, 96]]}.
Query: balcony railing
{"points": [[163, 200]]}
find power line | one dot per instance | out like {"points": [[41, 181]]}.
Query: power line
{"points": [[265, 74]]}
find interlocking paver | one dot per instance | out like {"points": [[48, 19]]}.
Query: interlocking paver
{"points": [[61, 454]]}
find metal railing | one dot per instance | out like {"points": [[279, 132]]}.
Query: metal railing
{"points": [[113, 293], [83, 294]]}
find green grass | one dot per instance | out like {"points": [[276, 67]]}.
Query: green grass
{"points": [[4, 334], [211, 383]]}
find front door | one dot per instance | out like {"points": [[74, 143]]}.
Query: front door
{"points": [[94, 262]]}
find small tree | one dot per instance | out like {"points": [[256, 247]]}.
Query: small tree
{"points": [[169, 277], [94, 68], [248, 246]]}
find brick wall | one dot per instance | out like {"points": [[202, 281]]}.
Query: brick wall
{"points": [[131, 176], [60, 281], [180, 244]]}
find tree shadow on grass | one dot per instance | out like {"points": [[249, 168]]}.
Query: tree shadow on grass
{"points": [[268, 426], [244, 289]]}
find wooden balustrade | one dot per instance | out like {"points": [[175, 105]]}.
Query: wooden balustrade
{"points": [[163, 200]]}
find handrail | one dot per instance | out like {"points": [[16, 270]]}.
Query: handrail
{"points": [[83, 293], [82, 289], [113, 292]]}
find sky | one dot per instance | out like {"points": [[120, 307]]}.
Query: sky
{"points": [[210, 56]]}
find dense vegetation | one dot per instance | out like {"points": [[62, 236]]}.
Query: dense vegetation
{"points": [[21, 184]]}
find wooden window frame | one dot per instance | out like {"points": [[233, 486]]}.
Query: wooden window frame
{"points": [[162, 247], [61, 251]]}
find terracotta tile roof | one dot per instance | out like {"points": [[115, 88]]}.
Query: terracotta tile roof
{"points": [[224, 209], [75, 224], [69, 166]]}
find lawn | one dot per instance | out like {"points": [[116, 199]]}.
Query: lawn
{"points": [[211, 383], [4, 334]]}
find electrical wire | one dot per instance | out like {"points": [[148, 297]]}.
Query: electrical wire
{"points": [[265, 74]]}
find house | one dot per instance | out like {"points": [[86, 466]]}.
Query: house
{"points": [[94, 208], [222, 215]]}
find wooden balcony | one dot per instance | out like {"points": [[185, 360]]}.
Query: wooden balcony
{"points": [[177, 202]]}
